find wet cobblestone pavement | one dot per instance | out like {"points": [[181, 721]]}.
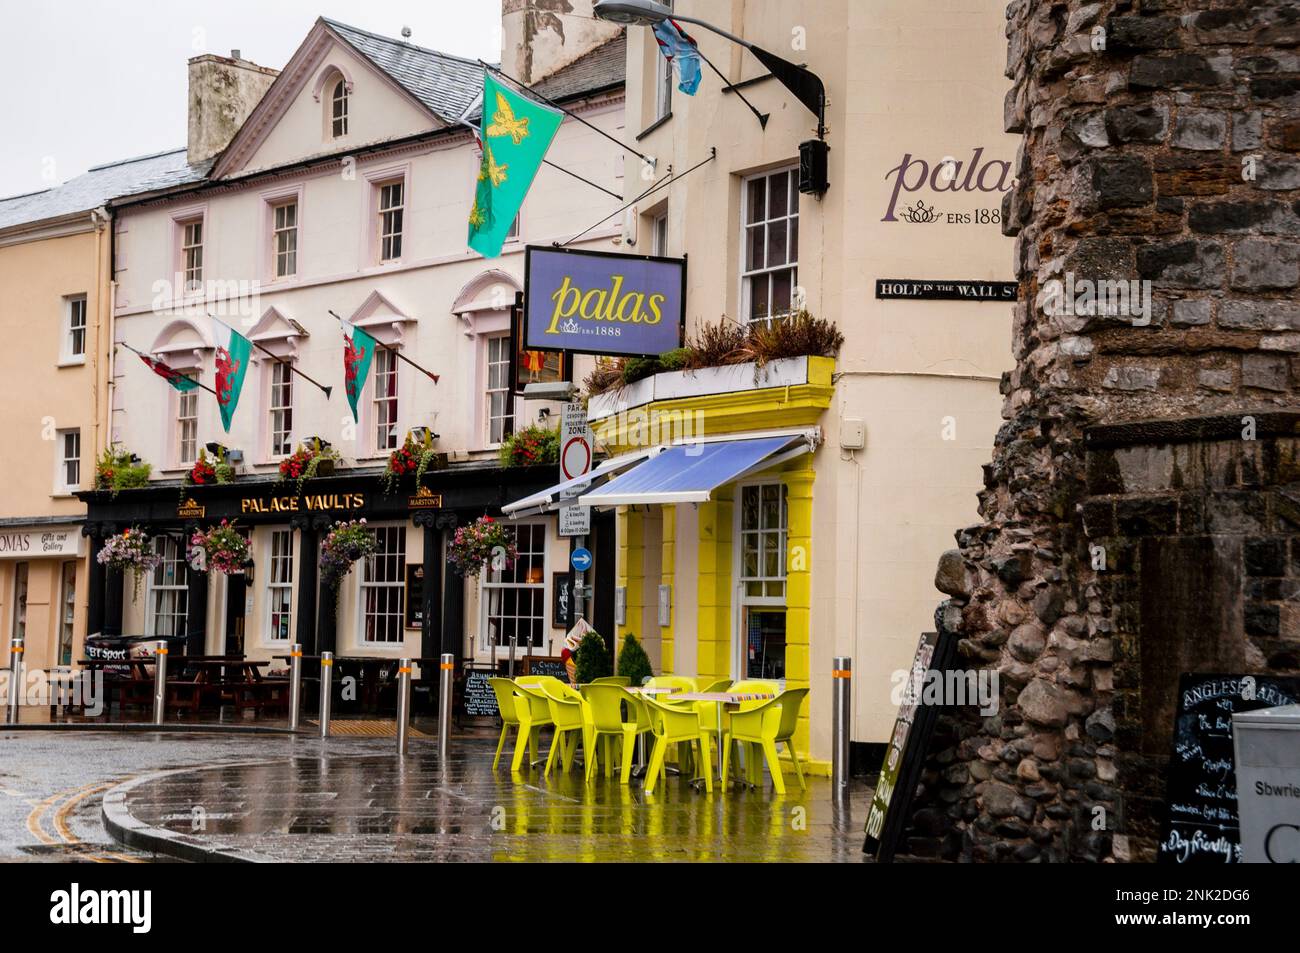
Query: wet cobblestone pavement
{"points": [[340, 807]]}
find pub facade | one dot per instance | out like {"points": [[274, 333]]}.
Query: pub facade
{"points": [[343, 196]]}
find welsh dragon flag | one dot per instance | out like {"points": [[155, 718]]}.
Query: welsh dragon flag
{"points": [[358, 352], [173, 377], [233, 353]]}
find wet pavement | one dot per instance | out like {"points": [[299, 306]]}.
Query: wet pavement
{"points": [[288, 798], [335, 806]]}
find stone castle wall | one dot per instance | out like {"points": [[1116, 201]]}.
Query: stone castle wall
{"points": [[1160, 141]]}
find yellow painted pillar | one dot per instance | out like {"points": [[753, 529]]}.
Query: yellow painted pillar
{"points": [[667, 567], [713, 595], [798, 586], [629, 568]]}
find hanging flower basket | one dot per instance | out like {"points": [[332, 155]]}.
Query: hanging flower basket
{"points": [[223, 547], [307, 463], [482, 540], [130, 552], [343, 545]]}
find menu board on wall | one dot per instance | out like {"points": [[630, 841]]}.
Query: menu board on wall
{"points": [[1201, 822], [906, 750], [414, 595]]}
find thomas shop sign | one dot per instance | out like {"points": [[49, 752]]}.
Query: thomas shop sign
{"points": [[601, 303]]}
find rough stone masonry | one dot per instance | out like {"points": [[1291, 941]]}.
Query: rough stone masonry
{"points": [[1141, 514]]}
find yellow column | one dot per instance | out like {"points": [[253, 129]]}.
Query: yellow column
{"points": [[630, 569], [798, 586], [667, 565], [713, 631]]}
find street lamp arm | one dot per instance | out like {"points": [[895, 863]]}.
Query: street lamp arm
{"points": [[713, 29]]}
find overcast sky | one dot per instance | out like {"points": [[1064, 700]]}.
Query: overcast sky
{"points": [[92, 81]]}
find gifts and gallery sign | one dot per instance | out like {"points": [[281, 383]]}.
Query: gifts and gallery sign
{"points": [[602, 303]]}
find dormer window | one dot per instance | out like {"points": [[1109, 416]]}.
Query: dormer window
{"points": [[339, 109]]}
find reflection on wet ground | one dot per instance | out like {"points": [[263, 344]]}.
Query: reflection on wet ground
{"points": [[338, 807]]}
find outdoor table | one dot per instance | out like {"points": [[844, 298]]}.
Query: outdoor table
{"points": [[731, 701]]}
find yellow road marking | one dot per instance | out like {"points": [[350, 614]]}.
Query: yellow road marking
{"points": [[71, 798]]}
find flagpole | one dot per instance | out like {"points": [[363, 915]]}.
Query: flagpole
{"points": [[278, 359], [554, 105], [462, 120], [186, 377], [395, 352], [729, 85]]}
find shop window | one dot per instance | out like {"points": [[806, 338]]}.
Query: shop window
{"points": [[280, 586], [514, 598], [281, 410], [19, 629], [168, 597], [383, 576], [284, 239], [770, 245], [659, 234], [67, 612], [763, 528], [187, 427], [384, 400], [68, 476], [500, 401], [74, 339]]}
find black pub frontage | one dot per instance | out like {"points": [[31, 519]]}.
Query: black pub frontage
{"points": [[406, 601]]}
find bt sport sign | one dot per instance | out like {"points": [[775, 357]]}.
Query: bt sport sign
{"points": [[588, 302]]}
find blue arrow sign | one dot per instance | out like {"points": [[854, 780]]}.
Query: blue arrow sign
{"points": [[580, 559]]}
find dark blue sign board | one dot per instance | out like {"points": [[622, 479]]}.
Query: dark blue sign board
{"points": [[580, 559], [588, 302]]}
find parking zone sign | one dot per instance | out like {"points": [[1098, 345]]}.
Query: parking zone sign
{"points": [[576, 443]]}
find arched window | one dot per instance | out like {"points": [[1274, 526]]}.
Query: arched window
{"points": [[339, 108]]}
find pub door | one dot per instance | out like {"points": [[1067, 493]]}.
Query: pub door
{"points": [[236, 600]]}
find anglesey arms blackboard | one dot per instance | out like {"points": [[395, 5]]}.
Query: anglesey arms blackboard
{"points": [[901, 771], [1201, 824]]}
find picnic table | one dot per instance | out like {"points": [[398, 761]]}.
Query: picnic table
{"points": [[193, 679]]}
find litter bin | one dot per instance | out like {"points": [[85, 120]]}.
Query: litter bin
{"points": [[1267, 743]]}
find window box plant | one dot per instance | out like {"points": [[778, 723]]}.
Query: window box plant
{"points": [[413, 456], [207, 472], [119, 469], [308, 462], [531, 445]]}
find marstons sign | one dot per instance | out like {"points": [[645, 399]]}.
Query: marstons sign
{"points": [[601, 303]]}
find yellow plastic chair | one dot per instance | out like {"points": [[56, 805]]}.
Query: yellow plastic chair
{"points": [[505, 692], [771, 722], [607, 703], [612, 680], [534, 711], [678, 683], [673, 725], [571, 715]]}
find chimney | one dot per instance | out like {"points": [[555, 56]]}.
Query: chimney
{"points": [[223, 91], [539, 37]]}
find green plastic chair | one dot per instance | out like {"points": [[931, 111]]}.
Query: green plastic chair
{"points": [[607, 703], [505, 692], [571, 715], [771, 722], [673, 725], [534, 710], [612, 680]]}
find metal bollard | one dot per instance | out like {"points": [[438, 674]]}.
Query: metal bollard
{"points": [[446, 671], [160, 682], [326, 691], [16, 649], [403, 703], [841, 708], [295, 684]]}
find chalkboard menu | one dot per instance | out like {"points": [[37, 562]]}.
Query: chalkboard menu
{"points": [[545, 666], [1201, 823], [414, 595], [478, 697], [901, 771]]}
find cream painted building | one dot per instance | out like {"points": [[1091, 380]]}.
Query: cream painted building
{"points": [[346, 191], [903, 420], [54, 264]]}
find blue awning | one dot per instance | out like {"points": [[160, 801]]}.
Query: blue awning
{"points": [[689, 473]]}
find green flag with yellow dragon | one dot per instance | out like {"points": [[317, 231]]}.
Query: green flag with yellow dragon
{"points": [[515, 133]]}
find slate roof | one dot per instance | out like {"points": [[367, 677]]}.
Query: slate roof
{"points": [[101, 183], [446, 84], [597, 69]]}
